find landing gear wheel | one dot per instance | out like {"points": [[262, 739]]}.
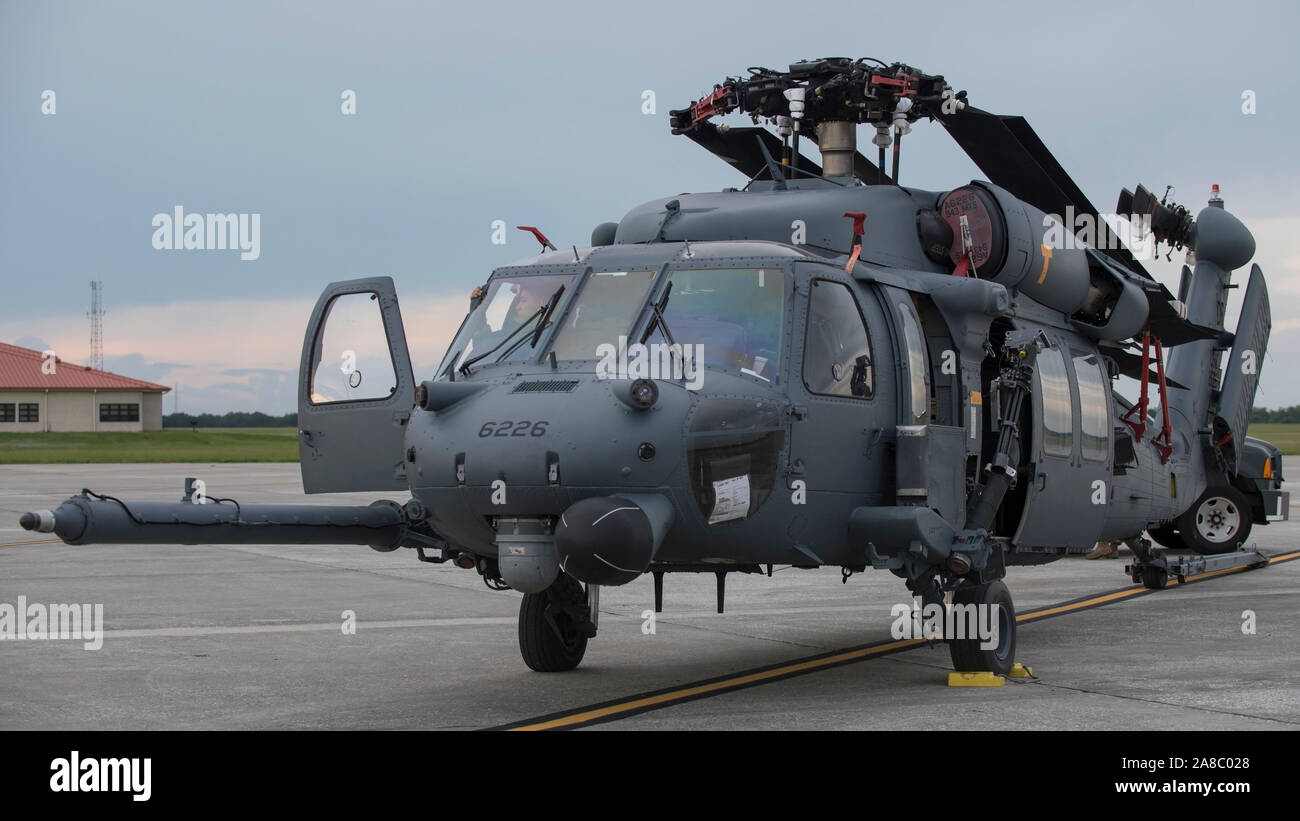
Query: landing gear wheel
{"points": [[1154, 578], [551, 639], [1219, 522], [1167, 537], [967, 654]]}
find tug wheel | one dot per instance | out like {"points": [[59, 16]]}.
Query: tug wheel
{"points": [[1154, 578], [967, 654], [551, 640]]}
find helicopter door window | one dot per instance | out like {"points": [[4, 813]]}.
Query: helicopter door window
{"points": [[352, 362], [1058, 407], [837, 349], [1094, 404]]}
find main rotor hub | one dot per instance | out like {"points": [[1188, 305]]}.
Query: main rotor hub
{"points": [[829, 98], [826, 90]]}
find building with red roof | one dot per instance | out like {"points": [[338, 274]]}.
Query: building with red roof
{"points": [[40, 392]]}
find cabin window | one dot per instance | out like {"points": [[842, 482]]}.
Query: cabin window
{"points": [[1058, 407], [1094, 404], [352, 362], [837, 349], [916, 360]]}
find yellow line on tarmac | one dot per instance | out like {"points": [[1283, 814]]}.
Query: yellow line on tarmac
{"points": [[725, 684], [38, 541], [1104, 598]]}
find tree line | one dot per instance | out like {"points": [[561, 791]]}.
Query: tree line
{"points": [[1280, 415], [234, 419]]}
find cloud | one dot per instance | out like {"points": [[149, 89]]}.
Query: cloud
{"points": [[136, 366], [257, 372], [197, 346], [33, 342]]}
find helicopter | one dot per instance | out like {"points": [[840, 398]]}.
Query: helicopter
{"points": [[820, 368]]}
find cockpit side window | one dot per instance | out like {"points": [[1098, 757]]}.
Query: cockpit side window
{"points": [[837, 348], [502, 323]]}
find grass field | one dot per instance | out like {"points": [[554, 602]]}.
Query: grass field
{"points": [[170, 445], [1286, 437]]}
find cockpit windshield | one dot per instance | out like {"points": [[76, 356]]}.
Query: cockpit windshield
{"points": [[496, 323], [603, 311], [731, 318], [734, 316]]}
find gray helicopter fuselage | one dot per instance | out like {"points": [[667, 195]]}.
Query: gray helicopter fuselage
{"points": [[810, 459]]}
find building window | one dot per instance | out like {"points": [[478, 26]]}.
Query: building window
{"points": [[29, 412], [119, 412], [7, 412]]}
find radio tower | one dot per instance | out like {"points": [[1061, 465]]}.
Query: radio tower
{"points": [[96, 324]]}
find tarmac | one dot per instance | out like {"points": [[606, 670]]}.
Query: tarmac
{"points": [[255, 637]]}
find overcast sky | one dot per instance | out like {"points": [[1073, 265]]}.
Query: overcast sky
{"points": [[532, 114]]}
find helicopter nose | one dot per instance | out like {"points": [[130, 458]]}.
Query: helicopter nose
{"points": [[560, 431]]}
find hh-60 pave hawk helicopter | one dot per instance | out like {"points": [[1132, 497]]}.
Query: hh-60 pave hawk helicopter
{"points": [[821, 368]]}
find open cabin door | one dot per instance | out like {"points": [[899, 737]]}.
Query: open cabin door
{"points": [[355, 390], [1071, 450]]}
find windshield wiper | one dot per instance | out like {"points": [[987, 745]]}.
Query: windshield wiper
{"points": [[546, 318], [657, 317]]}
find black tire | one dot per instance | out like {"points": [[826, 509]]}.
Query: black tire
{"points": [[1167, 537], [1219, 522], [1154, 578], [550, 640], [967, 655]]}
